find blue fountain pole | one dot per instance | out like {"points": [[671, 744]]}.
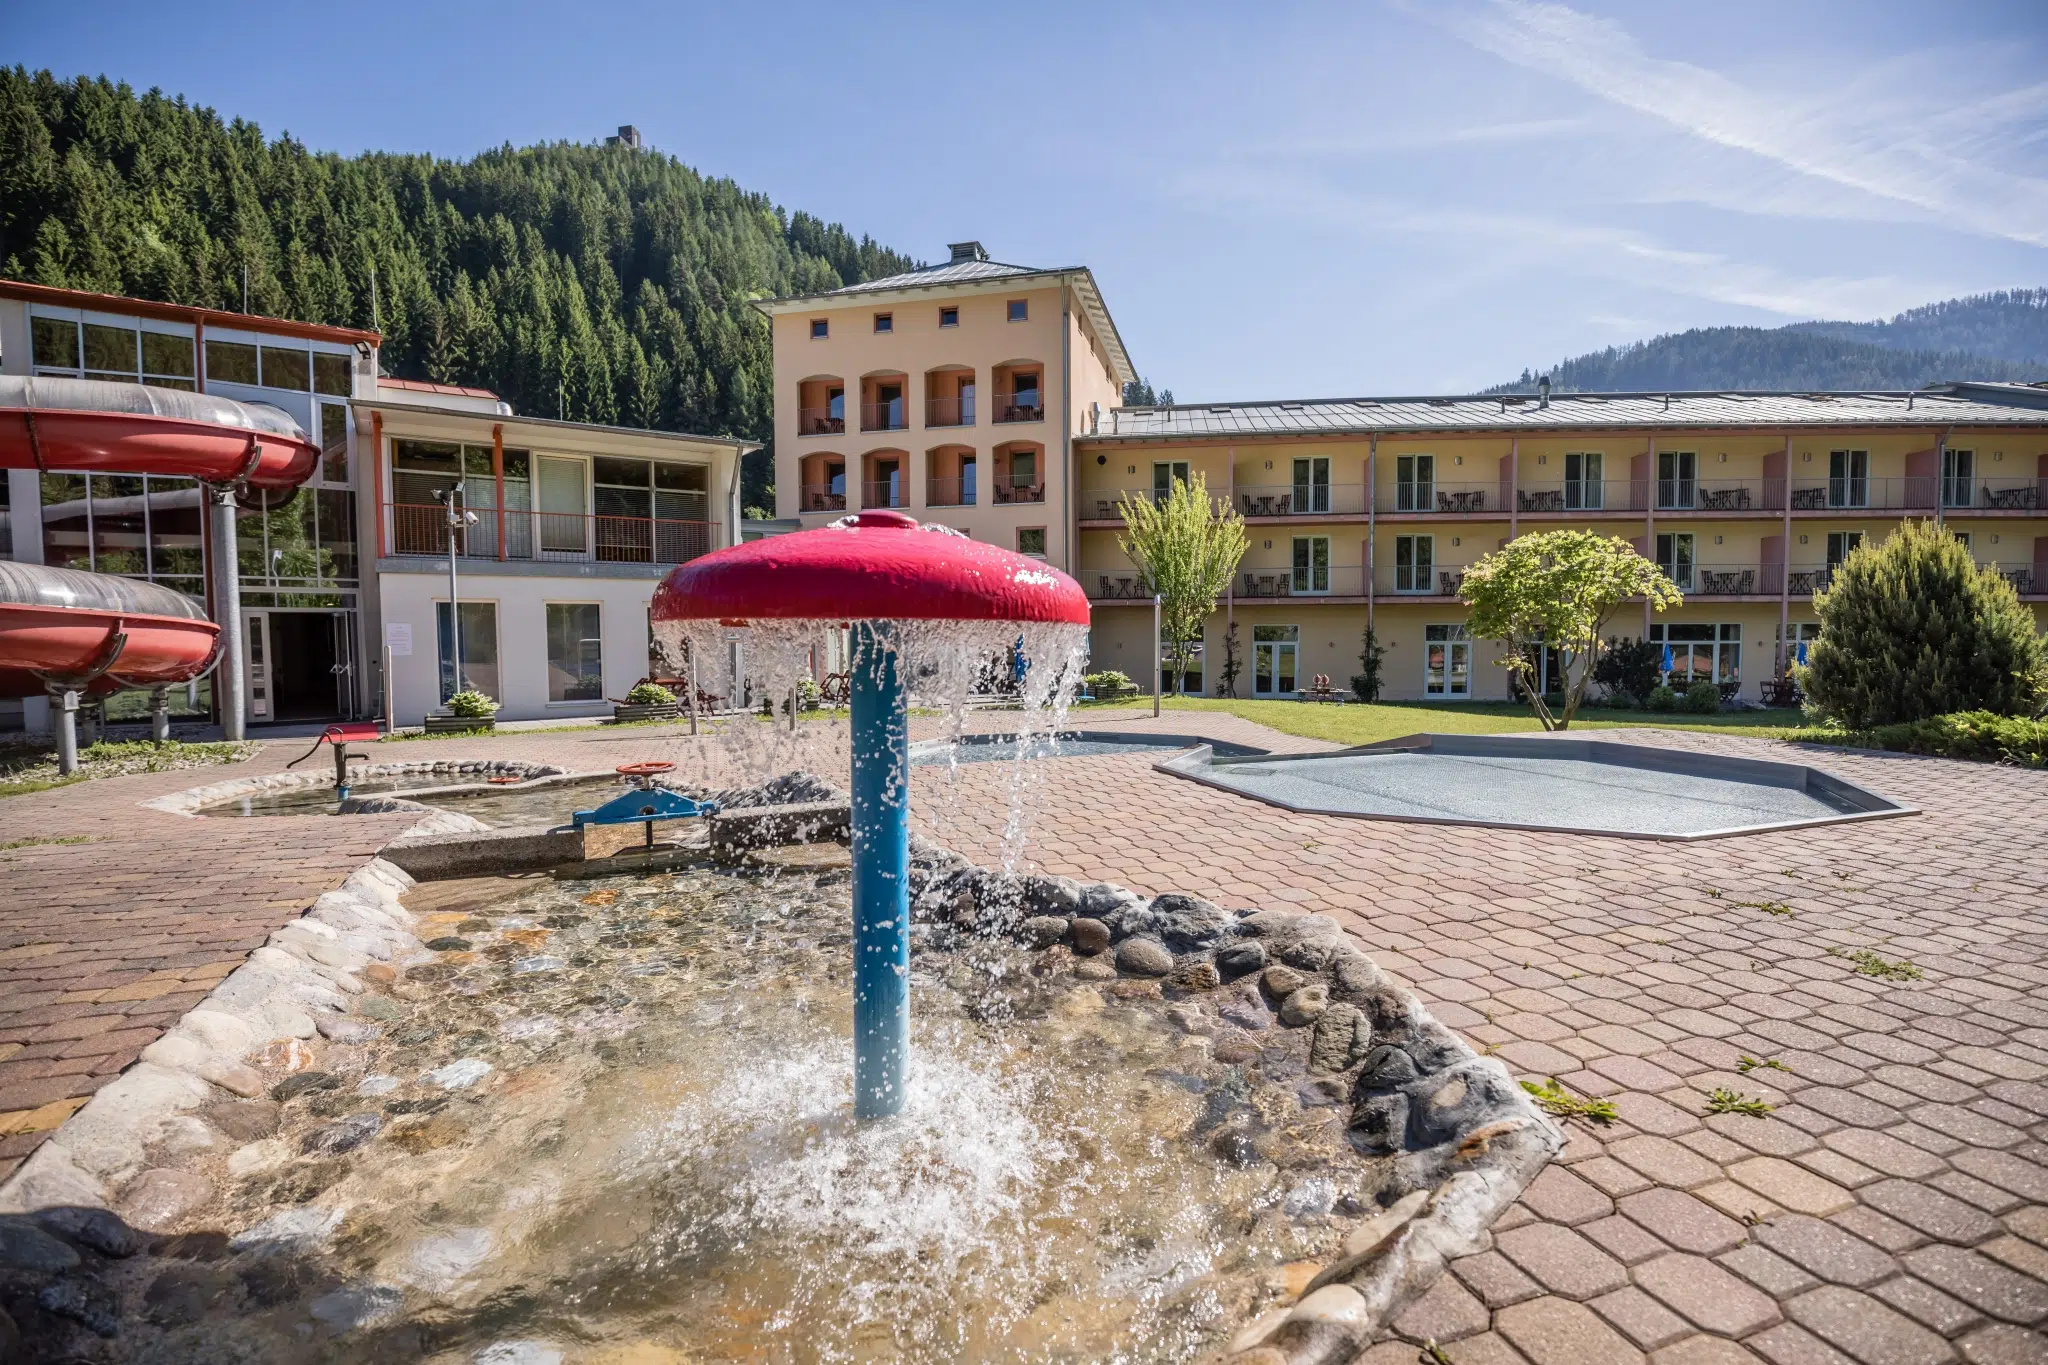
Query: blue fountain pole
{"points": [[881, 875]]}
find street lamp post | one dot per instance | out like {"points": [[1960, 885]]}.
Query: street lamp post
{"points": [[458, 519]]}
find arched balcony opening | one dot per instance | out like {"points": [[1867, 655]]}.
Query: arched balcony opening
{"points": [[885, 401], [885, 478], [821, 406], [821, 477], [1020, 472], [1020, 391], [949, 396], [952, 475]]}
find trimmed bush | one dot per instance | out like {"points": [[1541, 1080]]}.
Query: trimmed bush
{"points": [[1912, 629], [1702, 699], [472, 705], [1661, 698], [1109, 680], [650, 694], [1983, 736], [1629, 669]]}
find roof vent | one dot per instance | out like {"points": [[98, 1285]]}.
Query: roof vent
{"points": [[966, 251], [1543, 392]]}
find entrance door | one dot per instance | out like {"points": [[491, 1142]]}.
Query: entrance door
{"points": [[256, 664], [304, 659], [1275, 650], [344, 665]]}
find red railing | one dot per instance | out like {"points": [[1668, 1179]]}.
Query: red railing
{"points": [[563, 537]]}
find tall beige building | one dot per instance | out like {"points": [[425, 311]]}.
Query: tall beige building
{"points": [[917, 391], [953, 392]]}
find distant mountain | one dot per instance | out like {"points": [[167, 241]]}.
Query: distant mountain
{"points": [[2001, 336]]}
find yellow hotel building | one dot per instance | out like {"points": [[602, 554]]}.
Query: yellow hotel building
{"points": [[985, 396]]}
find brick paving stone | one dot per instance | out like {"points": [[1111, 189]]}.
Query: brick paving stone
{"points": [[1560, 1195], [1613, 1178], [1553, 1331], [1788, 1344], [1983, 1283], [1940, 1313], [2021, 1255], [1767, 1270], [1446, 1312], [1683, 1221], [1626, 1241], [1495, 1279], [1562, 1261], [1485, 1349], [1826, 1251], [2008, 1171], [1929, 1211], [1783, 1183], [1643, 1320], [1664, 1162], [1704, 1350], [1707, 1295], [1866, 1328], [2003, 1344]]}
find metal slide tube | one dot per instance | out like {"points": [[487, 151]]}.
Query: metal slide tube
{"points": [[230, 679], [881, 875]]}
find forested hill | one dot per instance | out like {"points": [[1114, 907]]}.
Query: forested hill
{"points": [[603, 284], [1988, 336]]}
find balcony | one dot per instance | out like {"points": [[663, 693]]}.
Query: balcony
{"points": [[957, 411], [1719, 495], [1912, 494], [885, 415], [1421, 580], [1301, 500], [949, 492], [1331, 580], [1018, 491], [820, 497], [1437, 498], [554, 537], [1578, 497], [821, 421], [1019, 407], [1725, 580], [883, 493], [1101, 505], [1994, 495]]}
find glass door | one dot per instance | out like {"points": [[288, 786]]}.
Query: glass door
{"points": [[1311, 565], [1312, 484], [564, 523], [344, 625], [1674, 556], [1165, 474], [1447, 662], [256, 663], [1274, 653], [1848, 478], [1677, 479], [1415, 483], [1958, 484], [1583, 489]]}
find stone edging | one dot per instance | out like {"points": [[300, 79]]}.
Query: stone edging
{"points": [[194, 799], [1463, 1137]]}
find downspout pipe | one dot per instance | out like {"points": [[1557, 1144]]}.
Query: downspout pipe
{"points": [[1785, 566], [1372, 504], [1068, 532]]}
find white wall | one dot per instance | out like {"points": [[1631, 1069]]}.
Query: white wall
{"points": [[411, 598]]}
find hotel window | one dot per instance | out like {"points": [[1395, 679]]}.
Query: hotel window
{"points": [[885, 322], [55, 346], [949, 317], [1584, 490], [1031, 541], [1165, 474], [1415, 483], [1675, 558], [1447, 661], [575, 652], [1312, 484], [1677, 479], [479, 649], [1700, 653], [1841, 544], [1848, 478], [330, 373], [1311, 565], [125, 524], [1020, 310], [820, 329], [287, 368], [650, 511], [1958, 484], [334, 444], [1414, 563], [423, 471], [93, 350], [231, 362]]}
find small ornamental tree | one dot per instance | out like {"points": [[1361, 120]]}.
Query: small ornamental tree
{"points": [[1186, 548], [1558, 588], [1912, 628], [1365, 684]]}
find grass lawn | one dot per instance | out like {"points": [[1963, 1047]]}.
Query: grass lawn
{"points": [[32, 767], [1356, 724]]}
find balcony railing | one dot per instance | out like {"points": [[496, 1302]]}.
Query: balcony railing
{"points": [[949, 412], [883, 493], [949, 492], [1019, 407], [1101, 505], [820, 422], [2026, 581], [1015, 490], [1995, 495], [1726, 580], [1914, 493], [1332, 580], [562, 537], [1438, 497], [1571, 497], [1120, 584], [1394, 580], [883, 416], [1301, 500], [820, 497]]}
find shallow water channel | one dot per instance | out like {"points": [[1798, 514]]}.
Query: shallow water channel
{"points": [[614, 1117]]}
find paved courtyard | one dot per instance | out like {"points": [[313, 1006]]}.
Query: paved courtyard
{"points": [[1890, 1208]]}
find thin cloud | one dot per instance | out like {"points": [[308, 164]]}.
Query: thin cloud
{"points": [[1880, 148]]}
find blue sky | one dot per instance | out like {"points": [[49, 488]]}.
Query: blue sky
{"points": [[1279, 200]]}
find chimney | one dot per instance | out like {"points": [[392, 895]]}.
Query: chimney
{"points": [[966, 251], [1543, 392]]}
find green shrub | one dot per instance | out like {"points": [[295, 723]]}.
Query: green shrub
{"points": [[1702, 698], [1109, 680], [649, 694], [1661, 698], [1983, 736], [472, 705], [1912, 628], [1365, 684], [1629, 669]]}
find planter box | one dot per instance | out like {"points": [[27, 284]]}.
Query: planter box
{"points": [[456, 725], [660, 710]]}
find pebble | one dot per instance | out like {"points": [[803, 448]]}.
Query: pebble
{"points": [[457, 1075], [184, 1135], [302, 1083], [302, 1229], [1281, 982], [1305, 1006], [1144, 957], [527, 965], [341, 1029], [1042, 931], [377, 1084], [70, 1299], [379, 1007], [1079, 1003], [440, 1263], [1240, 959], [1094, 969], [383, 973], [286, 1054], [518, 1353], [1090, 936], [24, 1246], [160, 1198], [449, 944], [332, 1139], [345, 1310], [96, 1229], [258, 1157], [245, 1120], [1197, 975], [1333, 1303]]}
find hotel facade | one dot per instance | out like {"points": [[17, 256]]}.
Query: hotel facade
{"points": [[985, 397], [565, 527]]}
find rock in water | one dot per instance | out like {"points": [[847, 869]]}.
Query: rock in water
{"points": [[24, 1246], [1090, 935], [332, 1139], [1306, 1005], [1342, 1036], [1281, 982], [161, 1198], [1144, 957], [1240, 959], [1181, 922], [94, 1228], [1042, 931]]}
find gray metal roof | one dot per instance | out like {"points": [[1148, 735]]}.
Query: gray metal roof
{"points": [[1946, 405], [953, 272]]}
